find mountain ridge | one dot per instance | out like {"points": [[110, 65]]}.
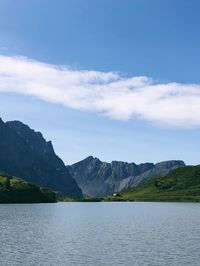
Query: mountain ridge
{"points": [[98, 179]]}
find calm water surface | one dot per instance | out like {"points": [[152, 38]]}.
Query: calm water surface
{"points": [[100, 234]]}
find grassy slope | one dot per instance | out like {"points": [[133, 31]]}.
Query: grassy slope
{"points": [[15, 190], [182, 184]]}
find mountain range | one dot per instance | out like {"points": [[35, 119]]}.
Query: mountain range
{"points": [[26, 154], [98, 179]]}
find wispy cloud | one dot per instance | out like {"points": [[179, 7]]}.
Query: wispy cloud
{"points": [[108, 93]]}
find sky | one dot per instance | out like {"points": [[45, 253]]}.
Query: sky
{"points": [[115, 79]]}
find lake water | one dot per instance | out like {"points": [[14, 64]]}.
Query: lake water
{"points": [[100, 234]]}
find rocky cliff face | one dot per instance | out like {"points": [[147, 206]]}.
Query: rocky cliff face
{"points": [[97, 178], [25, 153]]}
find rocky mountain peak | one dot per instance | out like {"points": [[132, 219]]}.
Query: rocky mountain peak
{"points": [[25, 153], [97, 178]]}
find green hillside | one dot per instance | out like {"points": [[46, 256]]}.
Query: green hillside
{"points": [[182, 184], [15, 190]]}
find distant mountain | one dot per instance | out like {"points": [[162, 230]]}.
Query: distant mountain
{"points": [[98, 179], [25, 153], [15, 190], [182, 184]]}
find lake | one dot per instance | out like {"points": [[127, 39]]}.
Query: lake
{"points": [[105, 233]]}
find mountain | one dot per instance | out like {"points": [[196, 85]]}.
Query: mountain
{"points": [[182, 184], [15, 190], [98, 179], [25, 153]]}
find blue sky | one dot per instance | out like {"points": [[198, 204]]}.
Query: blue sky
{"points": [[117, 40]]}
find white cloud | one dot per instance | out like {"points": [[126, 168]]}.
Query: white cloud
{"points": [[108, 93]]}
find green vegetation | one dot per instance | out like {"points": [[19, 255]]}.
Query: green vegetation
{"points": [[66, 199], [15, 190], [90, 200], [182, 184], [81, 200]]}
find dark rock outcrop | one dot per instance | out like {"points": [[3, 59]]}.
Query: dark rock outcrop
{"points": [[25, 153], [98, 179]]}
